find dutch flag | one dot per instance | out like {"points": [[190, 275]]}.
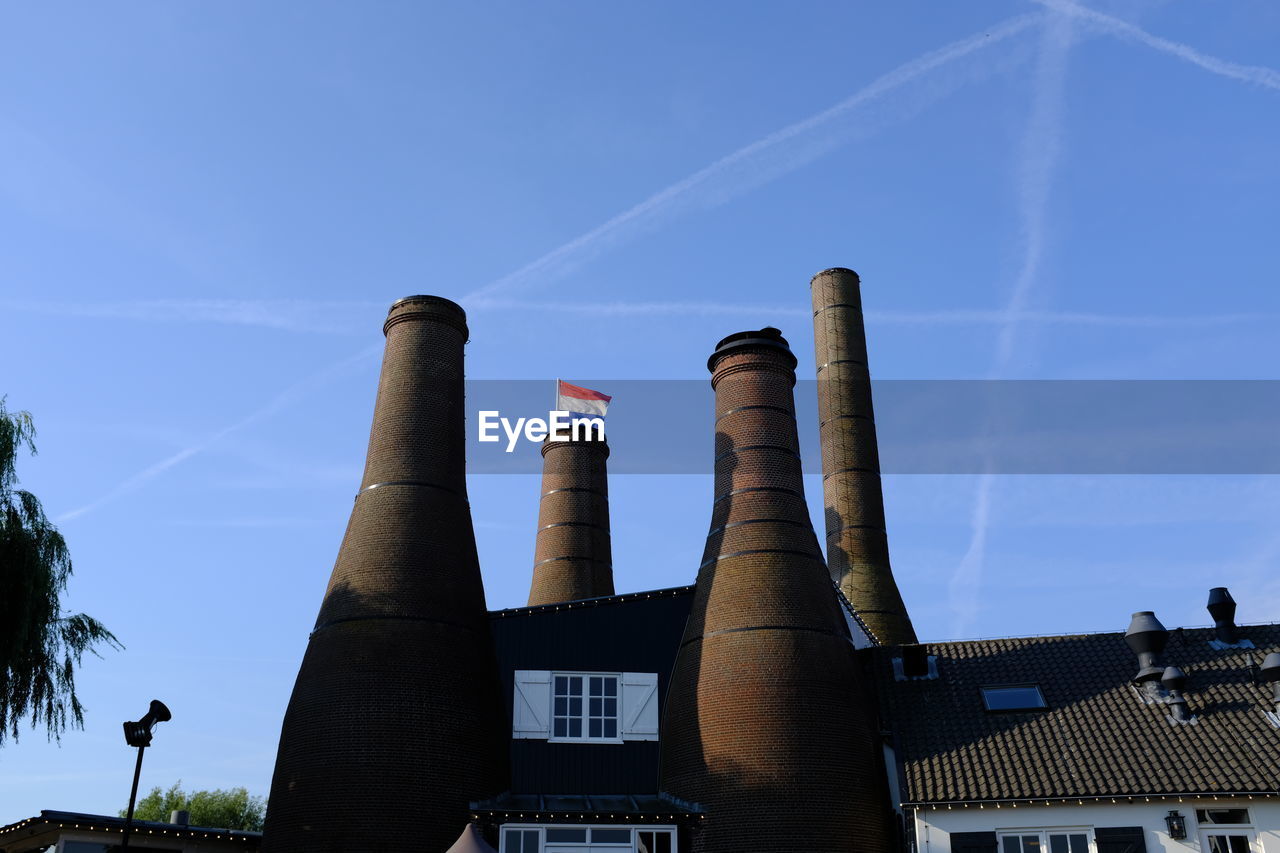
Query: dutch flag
{"points": [[580, 402]]}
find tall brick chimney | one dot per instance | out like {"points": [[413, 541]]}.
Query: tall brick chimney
{"points": [[857, 545], [765, 724], [572, 559], [393, 723]]}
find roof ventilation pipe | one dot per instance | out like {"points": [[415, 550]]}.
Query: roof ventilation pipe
{"points": [[1222, 607], [1271, 675], [1175, 681], [1146, 637]]}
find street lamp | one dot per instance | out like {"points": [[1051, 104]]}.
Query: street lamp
{"points": [[139, 734]]}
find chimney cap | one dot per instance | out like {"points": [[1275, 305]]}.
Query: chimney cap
{"points": [[831, 270], [444, 310], [766, 337], [1146, 633]]}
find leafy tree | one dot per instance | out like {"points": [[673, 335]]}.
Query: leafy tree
{"points": [[232, 808], [40, 647]]}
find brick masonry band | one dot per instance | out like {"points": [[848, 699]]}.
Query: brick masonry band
{"points": [[393, 725], [573, 555], [857, 544], [767, 723]]}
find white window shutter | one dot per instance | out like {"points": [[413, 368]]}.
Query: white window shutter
{"points": [[640, 706], [531, 716]]}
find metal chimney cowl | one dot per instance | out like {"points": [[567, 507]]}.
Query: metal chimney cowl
{"points": [[1222, 607], [1146, 637]]}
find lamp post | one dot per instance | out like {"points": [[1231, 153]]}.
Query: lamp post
{"points": [[139, 734]]}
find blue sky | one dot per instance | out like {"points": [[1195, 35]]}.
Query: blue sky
{"points": [[205, 210]]}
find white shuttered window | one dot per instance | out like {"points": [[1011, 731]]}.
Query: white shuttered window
{"points": [[590, 707]]}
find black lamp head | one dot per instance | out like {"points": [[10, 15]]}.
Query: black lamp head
{"points": [[139, 733]]}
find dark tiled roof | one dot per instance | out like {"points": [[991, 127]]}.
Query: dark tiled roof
{"points": [[1097, 737]]}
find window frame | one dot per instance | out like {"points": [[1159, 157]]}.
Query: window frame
{"points": [[1031, 685], [586, 715], [1246, 830], [541, 829], [1044, 832]]}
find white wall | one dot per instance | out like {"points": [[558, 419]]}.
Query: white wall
{"points": [[934, 825]]}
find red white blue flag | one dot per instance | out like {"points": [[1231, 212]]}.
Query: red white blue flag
{"points": [[582, 402]]}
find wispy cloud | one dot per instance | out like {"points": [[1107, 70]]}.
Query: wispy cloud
{"points": [[1037, 162], [290, 395], [955, 317], [293, 315], [1259, 75], [766, 159], [349, 317]]}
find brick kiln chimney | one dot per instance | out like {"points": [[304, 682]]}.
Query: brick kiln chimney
{"points": [[857, 546], [572, 559], [392, 727], [765, 724]]}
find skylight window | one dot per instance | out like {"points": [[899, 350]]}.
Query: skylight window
{"points": [[1013, 697]]}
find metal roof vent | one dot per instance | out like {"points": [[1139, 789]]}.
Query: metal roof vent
{"points": [[1175, 682], [1271, 675], [1222, 607], [1147, 638], [180, 817]]}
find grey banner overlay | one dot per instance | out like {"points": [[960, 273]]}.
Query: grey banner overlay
{"points": [[934, 426]]}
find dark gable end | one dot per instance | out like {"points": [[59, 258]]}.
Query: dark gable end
{"points": [[639, 633], [1096, 738]]}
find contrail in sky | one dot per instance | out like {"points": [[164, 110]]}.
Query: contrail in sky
{"points": [[348, 317], [1257, 74], [290, 395], [761, 161], [1041, 145], [776, 154]]}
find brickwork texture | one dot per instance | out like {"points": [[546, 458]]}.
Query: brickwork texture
{"points": [[857, 544], [766, 725], [393, 725], [573, 555]]}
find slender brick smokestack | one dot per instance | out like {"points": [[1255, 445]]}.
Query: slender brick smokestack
{"points": [[572, 559], [765, 724], [857, 545], [392, 726]]}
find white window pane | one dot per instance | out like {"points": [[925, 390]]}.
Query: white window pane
{"points": [[1058, 844], [1079, 843], [1012, 844]]}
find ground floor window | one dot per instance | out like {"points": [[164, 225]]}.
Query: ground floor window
{"points": [[1045, 841], [1225, 830], [588, 839]]}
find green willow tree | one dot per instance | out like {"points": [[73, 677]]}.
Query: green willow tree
{"points": [[40, 646], [232, 808]]}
